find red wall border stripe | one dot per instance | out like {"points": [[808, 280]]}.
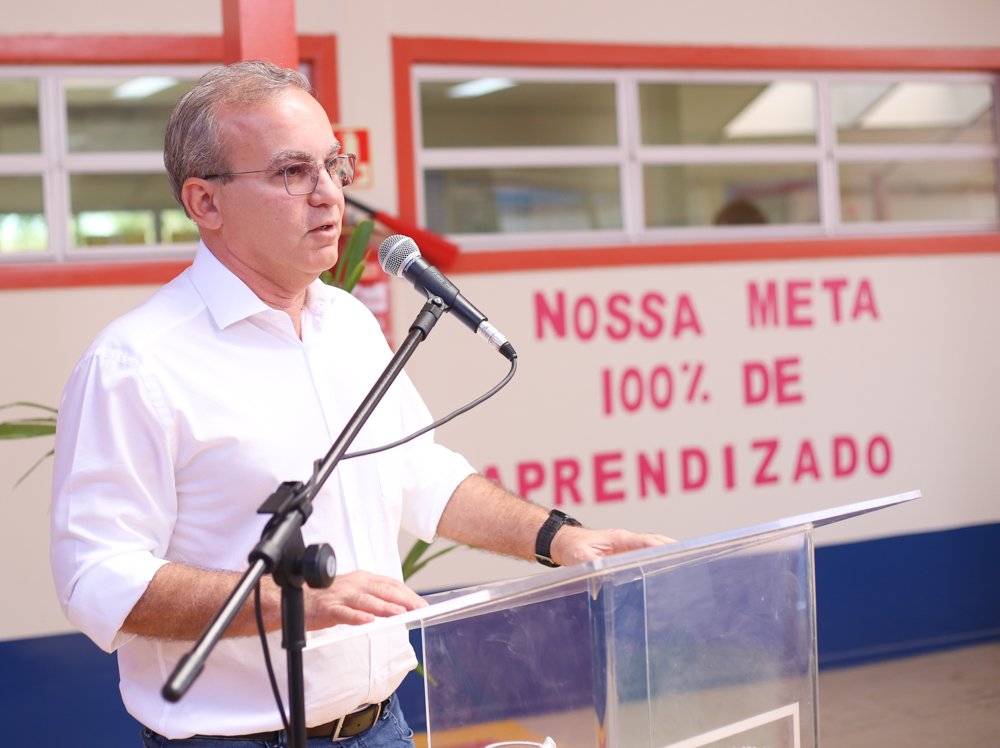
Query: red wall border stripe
{"points": [[110, 50], [68, 274], [408, 51], [549, 259]]}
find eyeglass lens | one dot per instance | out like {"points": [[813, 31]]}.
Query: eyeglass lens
{"points": [[302, 178]]}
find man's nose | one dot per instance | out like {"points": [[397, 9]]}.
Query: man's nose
{"points": [[328, 188]]}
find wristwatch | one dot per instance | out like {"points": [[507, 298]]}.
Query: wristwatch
{"points": [[543, 543]]}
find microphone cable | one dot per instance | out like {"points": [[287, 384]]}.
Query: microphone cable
{"points": [[454, 414]]}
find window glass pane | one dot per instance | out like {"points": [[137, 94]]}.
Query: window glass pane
{"points": [[121, 114], [19, 117], [127, 209], [477, 201], [913, 112], [22, 220], [490, 112], [730, 194], [714, 113], [918, 191]]}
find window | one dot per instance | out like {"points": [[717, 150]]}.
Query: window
{"points": [[516, 157], [81, 163]]}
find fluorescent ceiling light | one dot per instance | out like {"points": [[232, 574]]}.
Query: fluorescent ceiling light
{"points": [[77, 84], [479, 87], [784, 108], [911, 105], [852, 100], [140, 88]]}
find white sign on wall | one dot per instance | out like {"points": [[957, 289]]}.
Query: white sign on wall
{"points": [[693, 399]]}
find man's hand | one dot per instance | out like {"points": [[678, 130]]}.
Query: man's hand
{"points": [[356, 598], [482, 514], [180, 601], [576, 545]]}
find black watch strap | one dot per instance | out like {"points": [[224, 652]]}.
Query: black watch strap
{"points": [[543, 543]]}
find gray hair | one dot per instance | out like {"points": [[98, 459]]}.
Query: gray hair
{"points": [[195, 142]]}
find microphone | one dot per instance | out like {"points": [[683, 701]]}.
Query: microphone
{"points": [[399, 256]]}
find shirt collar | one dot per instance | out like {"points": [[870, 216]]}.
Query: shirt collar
{"points": [[230, 300], [318, 298]]}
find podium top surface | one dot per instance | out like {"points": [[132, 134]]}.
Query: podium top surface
{"points": [[469, 598]]}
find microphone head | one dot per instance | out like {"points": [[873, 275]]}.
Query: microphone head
{"points": [[396, 254]]}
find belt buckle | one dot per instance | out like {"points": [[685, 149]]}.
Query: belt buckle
{"points": [[335, 737]]}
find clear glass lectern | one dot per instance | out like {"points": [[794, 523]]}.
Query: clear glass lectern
{"points": [[707, 643]]}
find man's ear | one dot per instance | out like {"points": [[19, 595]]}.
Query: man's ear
{"points": [[200, 198]]}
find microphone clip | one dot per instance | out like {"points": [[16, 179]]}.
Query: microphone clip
{"points": [[429, 315]]}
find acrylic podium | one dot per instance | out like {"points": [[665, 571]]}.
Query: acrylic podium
{"points": [[706, 643]]}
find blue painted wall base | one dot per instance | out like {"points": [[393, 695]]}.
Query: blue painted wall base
{"points": [[878, 599], [907, 595]]}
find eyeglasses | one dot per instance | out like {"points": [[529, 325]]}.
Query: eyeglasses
{"points": [[302, 177]]}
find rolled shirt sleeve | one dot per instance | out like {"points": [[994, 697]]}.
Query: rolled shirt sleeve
{"points": [[426, 491], [113, 497]]}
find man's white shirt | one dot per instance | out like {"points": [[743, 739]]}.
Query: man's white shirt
{"points": [[177, 423]]}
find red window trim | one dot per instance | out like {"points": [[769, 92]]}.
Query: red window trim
{"points": [[319, 51], [67, 274], [409, 51]]}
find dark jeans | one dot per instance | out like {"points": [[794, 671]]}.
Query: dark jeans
{"points": [[391, 731]]}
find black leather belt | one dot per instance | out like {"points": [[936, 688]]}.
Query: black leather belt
{"points": [[353, 724]]}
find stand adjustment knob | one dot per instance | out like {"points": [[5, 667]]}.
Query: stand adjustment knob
{"points": [[319, 565]]}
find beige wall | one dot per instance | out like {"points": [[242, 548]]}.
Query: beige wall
{"points": [[43, 334], [188, 17], [885, 23]]}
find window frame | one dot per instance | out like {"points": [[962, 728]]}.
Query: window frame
{"points": [[631, 156], [89, 267], [56, 164], [408, 51]]}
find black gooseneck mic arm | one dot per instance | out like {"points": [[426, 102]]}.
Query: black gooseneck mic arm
{"points": [[281, 552]]}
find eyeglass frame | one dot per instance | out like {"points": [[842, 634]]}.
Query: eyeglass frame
{"points": [[351, 158]]}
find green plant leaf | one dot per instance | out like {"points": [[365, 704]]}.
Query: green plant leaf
{"points": [[413, 563], [423, 674], [345, 273], [26, 428], [413, 556], [337, 274], [32, 468], [352, 281], [29, 405], [424, 562], [357, 247]]}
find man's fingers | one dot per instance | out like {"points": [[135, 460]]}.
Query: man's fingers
{"points": [[359, 597], [647, 540], [586, 545]]}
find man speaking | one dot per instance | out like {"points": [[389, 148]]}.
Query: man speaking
{"points": [[186, 413]]}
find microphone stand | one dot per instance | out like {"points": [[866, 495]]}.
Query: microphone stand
{"points": [[281, 551]]}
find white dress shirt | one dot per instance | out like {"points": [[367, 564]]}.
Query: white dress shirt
{"points": [[177, 423]]}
